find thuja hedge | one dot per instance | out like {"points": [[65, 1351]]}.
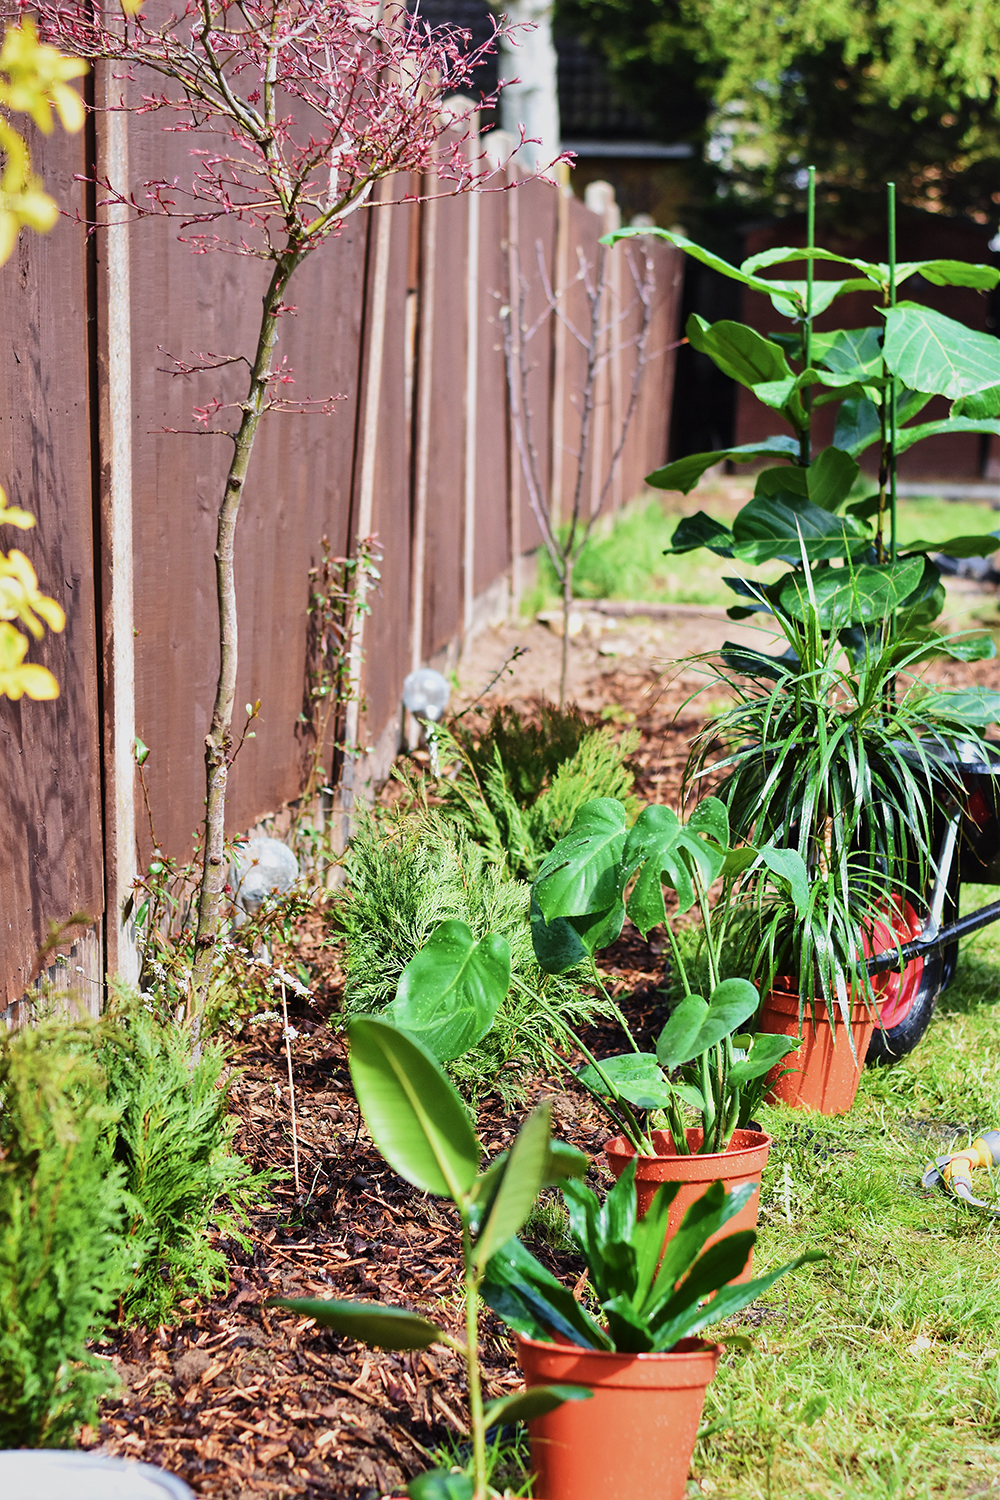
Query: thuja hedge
{"points": [[115, 1164]]}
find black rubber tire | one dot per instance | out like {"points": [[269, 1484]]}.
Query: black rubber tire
{"points": [[888, 1046]]}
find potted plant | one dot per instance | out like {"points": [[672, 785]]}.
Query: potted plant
{"points": [[591, 879], [835, 749], [421, 1126], [644, 1358]]}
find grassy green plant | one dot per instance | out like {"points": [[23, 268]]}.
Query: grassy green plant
{"points": [[520, 783], [62, 1260], [406, 874], [172, 1139], [878, 1379]]}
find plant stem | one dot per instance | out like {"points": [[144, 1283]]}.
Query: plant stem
{"points": [[891, 188], [615, 1008], [805, 437], [472, 1366], [218, 741], [291, 1090]]}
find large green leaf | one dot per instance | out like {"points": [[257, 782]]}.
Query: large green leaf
{"points": [[636, 1076], [830, 478], [952, 273], [739, 351], [983, 545], [784, 293], [660, 848], [852, 595], [857, 425], [706, 1216], [449, 993], [697, 252], [695, 1026], [379, 1327], [683, 474], [765, 1053], [931, 352], [791, 528], [974, 706], [567, 941], [520, 1183], [790, 868], [579, 876], [850, 351], [415, 1116], [524, 1406], [907, 436], [700, 530], [730, 1300], [979, 405]]}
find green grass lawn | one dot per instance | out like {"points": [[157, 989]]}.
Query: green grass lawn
{"points": [[876, 1373], [627, 561]]}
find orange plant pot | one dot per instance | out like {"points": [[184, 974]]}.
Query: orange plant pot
{"points": [[633, 1439], [743, 1162], [824, 1073]]}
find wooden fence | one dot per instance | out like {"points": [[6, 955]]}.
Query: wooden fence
{"points": [[400, 315]]}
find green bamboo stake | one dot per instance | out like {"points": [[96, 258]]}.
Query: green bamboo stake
{"points": [[891, 188], [805, 438]]}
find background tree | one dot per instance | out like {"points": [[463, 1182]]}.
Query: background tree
{"points": [[868, 90], [307, 107]]}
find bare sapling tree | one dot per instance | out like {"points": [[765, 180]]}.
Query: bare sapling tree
{"points": [[599, 336], [299, 110]]}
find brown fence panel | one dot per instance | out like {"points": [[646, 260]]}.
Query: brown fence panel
{"points": [[533, 228], [386, 638], [444, 296], [51, 861], [646, 448], [298, 490], [492, 539]]}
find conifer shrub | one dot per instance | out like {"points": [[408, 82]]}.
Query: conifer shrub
{"points": [[63, 1260], [172, 1140], [405, 873], [520, 783]]}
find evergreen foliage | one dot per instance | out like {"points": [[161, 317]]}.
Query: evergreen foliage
{"points": [[406, 872], [520, 784], [62, 1262], [172, 1138]]}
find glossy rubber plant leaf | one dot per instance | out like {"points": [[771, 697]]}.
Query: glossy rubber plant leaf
{"points": [[850, 351], [830, 478], [567, 941], [660, 848], [523, 1406], [520, 1183], [853, 595], [694, 1026], [579, 876], [790, 528], [707, 258], [683, 474], [379, 1327], [931, 352], [635, 1076], [413, 1112], [979, 405], [983, 544], [449, 993], [530, 1300], [976, 706], [907, 436]]}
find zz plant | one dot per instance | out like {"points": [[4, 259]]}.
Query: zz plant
{"points": [[420, 1125]]}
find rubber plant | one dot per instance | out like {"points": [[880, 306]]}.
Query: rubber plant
{"points": [[421, 1126]]}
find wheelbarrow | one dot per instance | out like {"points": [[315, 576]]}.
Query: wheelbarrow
{"points": [[923, 956]]}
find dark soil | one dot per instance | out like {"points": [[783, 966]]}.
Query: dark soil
{"points": [[240, 1400]]}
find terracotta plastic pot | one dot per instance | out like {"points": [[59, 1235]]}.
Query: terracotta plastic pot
{"points": [[743, 1162], [633, 1439], [824, 1073]]}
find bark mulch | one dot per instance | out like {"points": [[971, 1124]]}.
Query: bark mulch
{"points": [[243, 1401]]}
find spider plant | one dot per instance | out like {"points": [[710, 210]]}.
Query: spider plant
{"points": [[833, 749]]}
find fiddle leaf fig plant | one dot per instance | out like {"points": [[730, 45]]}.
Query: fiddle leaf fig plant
{"points": [[421, 1126], [816, 508], [651, 1295]]}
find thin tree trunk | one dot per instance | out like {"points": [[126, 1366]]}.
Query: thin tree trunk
{"points": [[218, 742], [567, 590]]}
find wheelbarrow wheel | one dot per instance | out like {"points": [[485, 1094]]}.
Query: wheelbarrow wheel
{"points": [[907, 1014]]}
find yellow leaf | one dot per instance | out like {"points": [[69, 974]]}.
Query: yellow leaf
{"points": [[17, 677], [12, 515]]}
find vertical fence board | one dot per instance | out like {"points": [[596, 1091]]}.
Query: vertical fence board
{"points": [[50, 834], [492, 552]]}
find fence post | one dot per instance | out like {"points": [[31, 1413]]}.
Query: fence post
{"points": [[115, 412]]}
